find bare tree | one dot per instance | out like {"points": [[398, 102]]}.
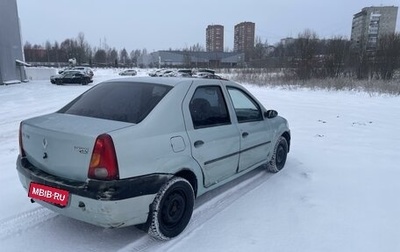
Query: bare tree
{"points": [[258, 54], [387, 56], [100, 57], [28, 52], [69, 49], [82, 49], [196, 48], [123, 56], [48, 48], [112, 57], [336, 56], [283, 55], [135, 55], [306, 48]]}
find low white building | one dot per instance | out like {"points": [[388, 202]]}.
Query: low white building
{"points": [[195, 59]]}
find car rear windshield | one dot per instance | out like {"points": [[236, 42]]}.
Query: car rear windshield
{"points": [[119, 101]]}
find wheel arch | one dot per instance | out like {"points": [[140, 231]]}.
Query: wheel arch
{"points": [[190, 177]]}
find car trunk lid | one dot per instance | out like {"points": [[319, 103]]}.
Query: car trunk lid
{"points": [[62, 144]]}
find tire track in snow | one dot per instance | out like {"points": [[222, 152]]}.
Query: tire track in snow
{"points": [[210, 205], [24, 221]]}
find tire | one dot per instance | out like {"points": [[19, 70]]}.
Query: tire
{"points": [[171, 209], [279, 156], [84, 82], [59, 82]]}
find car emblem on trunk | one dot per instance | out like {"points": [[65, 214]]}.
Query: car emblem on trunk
{"points": [[81, 150], [44, 142]]}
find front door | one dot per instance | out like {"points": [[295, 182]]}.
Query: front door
{"points": [[255, 135]]}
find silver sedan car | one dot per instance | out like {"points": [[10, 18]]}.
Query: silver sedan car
{"points": [[140, 150]]}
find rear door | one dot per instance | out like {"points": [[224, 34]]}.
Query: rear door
{"points": [[255, 134], [214, 139]]}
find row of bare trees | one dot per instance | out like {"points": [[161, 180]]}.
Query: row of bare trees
{"points": [[305, 57], [80, 49]]}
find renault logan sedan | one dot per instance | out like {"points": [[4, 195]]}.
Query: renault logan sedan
{"points": [[140, 150]]}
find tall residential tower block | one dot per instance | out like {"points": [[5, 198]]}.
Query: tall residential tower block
{"points": [[370, 24], [244, 36], [215, 38]]}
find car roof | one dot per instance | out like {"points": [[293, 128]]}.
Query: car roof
{"points": [[80, 67], [170, 81], [73, 71]]}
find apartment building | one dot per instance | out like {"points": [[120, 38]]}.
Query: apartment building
{"points": [[244, 37], [370, 24], [215, 38]]}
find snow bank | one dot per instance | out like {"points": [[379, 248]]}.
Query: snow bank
{"points": [[40, 73]]}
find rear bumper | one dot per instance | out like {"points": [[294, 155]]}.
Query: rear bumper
{"points": [[103, 203]]}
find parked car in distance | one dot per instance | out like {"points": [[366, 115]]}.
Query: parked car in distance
{"points": [[131, 72], [140, 150], [85, 69], [179, 73], [165, 73], [161, 72], [208, 76], [202, 70], [70, 77], [155, 72]]}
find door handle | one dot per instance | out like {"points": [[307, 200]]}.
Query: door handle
{"points": [[198, 143], [245, 134]]}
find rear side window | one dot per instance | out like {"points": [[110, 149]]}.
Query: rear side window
{"points": [[119, 101], [208, 108]]}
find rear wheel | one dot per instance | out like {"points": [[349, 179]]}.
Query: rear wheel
{"points": [[279, 156], [172, 209]]}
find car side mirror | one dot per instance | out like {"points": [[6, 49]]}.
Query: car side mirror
{"points": [[270, 114]]}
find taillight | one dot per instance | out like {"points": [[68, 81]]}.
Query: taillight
{"points": [[103, 163], [21, 147]]}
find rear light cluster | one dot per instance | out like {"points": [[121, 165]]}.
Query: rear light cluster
{"points": [[21, 147], [103, 163]]}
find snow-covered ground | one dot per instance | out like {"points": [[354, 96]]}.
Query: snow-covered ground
{"points": [[339, 190]]}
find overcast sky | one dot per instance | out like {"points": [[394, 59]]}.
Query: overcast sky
{"points": [[176, 24]]}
